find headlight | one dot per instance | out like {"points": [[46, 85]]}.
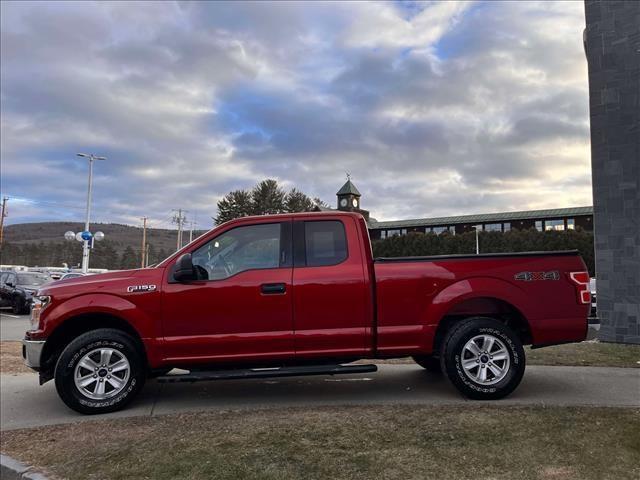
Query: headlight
{"points": [[40, 302]]}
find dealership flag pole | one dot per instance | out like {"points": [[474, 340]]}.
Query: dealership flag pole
{"points": [[85, 245]]}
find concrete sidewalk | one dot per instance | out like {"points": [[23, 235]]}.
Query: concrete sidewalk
{"points": [[25, 404], [12, 327]]}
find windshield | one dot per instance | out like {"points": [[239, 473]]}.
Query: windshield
{"points": [[32, 279]]}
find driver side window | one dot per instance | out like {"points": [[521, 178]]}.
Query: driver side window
{"points": [[243, 248]]}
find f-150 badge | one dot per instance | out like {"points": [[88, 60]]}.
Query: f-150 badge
{"points": [[140, 288], [533, 276]]}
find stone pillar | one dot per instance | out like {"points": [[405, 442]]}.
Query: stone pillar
{"points": [[612, 46]]}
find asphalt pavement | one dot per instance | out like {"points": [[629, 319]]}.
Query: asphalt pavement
{"points": [[25, 404], [12, 327]]}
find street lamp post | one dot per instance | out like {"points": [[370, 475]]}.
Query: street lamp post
{"points": [[85, 246], [477, 239]]}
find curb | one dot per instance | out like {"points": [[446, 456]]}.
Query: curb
{"points": [[12, 469]]}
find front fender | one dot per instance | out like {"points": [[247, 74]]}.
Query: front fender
{"points": [[100, 303]]}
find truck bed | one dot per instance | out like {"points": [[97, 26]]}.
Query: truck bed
{"points": [[415, 294]]}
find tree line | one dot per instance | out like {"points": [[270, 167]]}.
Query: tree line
{"points": [[266, 198], [105, 254], [417, 244]]}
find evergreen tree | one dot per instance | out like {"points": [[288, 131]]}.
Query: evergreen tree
{"points": [[235, 204], [267, 198], [129, 259], [296, 201], [320, 203], [11, 254], [152, 255], [417, 244], [104, 255], [162, 254]]}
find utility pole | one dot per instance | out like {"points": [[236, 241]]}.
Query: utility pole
{"points": [[143, 253], [2, 215], [180, 219], [193, 224], [85, 245], [146, 255]]}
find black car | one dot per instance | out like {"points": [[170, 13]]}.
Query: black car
{"points": [[17, 288]]}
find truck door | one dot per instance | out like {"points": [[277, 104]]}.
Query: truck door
{"points": [[330, 297], [242, 308]]}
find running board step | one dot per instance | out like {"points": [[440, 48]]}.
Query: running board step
{"points": [[204, 376]]}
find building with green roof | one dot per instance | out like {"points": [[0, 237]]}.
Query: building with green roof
{"points": [[549, 219], [349, 198]]}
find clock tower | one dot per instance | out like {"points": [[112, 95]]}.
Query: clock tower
{"points": [[349, 199]]}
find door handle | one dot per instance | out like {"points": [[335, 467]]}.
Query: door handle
{"points": [[273, 288]]}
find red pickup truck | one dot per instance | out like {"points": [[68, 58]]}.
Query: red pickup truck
{"points": [[300, 294]]}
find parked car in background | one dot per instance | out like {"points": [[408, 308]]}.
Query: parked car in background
{"points": [[18, 288], [69, 275]]}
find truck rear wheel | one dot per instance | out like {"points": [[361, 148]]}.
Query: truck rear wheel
{"points": [[100, 371], [483, 358]]}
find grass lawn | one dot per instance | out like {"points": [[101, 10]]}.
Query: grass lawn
{"points": [[596, 354], [374, 442], [592, 353]]}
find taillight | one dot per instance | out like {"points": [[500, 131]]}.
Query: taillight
{"points": [[581, 280]]}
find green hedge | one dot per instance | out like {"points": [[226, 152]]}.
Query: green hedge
{"points": [[416, 244]]}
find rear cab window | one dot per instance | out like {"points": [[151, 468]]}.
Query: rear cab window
{"points": [[321, 243]]}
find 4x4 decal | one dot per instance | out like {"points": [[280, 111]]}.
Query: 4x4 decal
{"points": [[533, 276]]}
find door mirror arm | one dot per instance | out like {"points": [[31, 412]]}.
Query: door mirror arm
{"points": [[184, 271]]}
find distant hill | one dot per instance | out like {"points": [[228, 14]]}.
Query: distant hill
{"points": [[43, 244], [120, 236]]}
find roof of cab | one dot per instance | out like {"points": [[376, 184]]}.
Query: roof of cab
{"points": [[284, 216]]}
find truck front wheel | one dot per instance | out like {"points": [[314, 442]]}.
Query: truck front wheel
{"points": [[100, 371], [483, 358]]}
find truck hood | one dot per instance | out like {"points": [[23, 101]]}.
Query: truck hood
{"points": [[101, 282]]}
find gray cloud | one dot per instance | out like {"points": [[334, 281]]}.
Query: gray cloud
{"points": [[434, 109]]}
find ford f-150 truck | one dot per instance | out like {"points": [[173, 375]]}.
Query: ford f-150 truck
{"points": [[300, 294]]}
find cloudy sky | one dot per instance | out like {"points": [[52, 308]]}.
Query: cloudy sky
{"points": [[434, 108]]}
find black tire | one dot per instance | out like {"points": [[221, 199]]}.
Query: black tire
{"points": [[453, 354], [124, 346], [18, 306], [430, 364]]}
